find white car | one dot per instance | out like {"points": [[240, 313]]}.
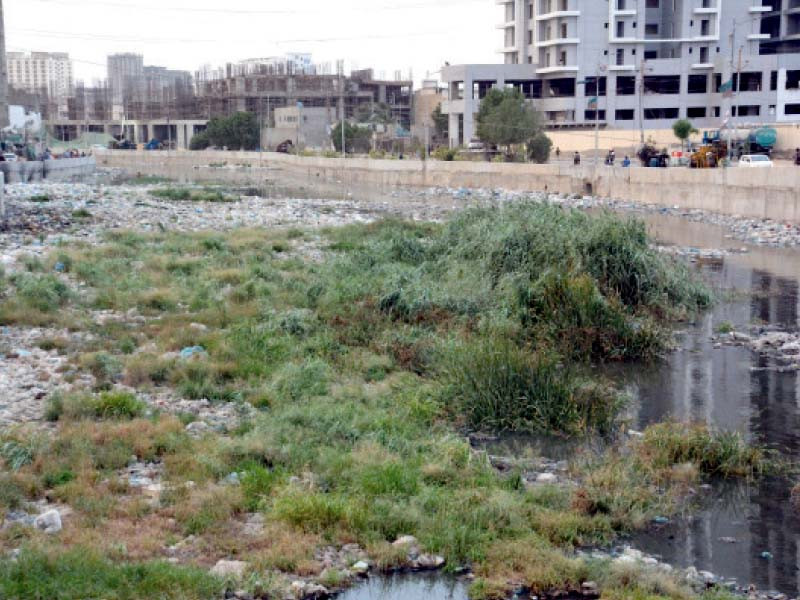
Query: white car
{"points": [[755, 161], [10, 157]]}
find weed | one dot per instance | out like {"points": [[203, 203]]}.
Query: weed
{"points": [[81, 214], [191, 195], [82, 573], [39, 198], [107, 405], [496, 385], [46, 293]]}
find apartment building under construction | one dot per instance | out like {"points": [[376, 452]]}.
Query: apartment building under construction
{"points": [[640, 63]]}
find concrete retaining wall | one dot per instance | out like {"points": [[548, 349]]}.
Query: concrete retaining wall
{"points": [[57, 170], [757, 193]]}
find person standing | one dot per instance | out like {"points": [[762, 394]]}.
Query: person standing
{"points": [[576, 160]]}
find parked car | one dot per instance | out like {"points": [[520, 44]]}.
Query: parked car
{"points": [[285, 147], [476, 145], [10, 157], [755, 161]]}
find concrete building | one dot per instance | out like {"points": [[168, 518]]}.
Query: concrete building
{"points": [[3, 72], [648, 62], [262, 91], [125, 73], [305, 127], [426, 100], [50, 72]]}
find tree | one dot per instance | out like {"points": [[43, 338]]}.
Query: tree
{"points": [[357, 138], [200, 141], [682, 130], [539, 148], [375, 113], [505, 119], [441, 123], [237, 132]]}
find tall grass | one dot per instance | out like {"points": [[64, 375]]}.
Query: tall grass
{"points": [[495, 384]]}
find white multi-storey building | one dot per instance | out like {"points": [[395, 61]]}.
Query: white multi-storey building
{"points": [[37, 71], [648, 62]]}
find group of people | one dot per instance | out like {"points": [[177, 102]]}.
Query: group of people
{"points": [[611, 158]]}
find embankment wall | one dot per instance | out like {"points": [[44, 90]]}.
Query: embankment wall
{"points": [[757, 193]]}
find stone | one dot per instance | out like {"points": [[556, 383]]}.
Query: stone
{"points": [[430, 562], [230, 568], [198, 428], [405, 540], [360, 568], [49, 522], [546, 478], [589, 588]]}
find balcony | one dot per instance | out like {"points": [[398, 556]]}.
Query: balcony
{"points": [[557, 42]]}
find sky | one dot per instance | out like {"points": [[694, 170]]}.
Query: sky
{"points": [[387, 35]]}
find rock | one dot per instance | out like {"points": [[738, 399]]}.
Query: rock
{"points": [[49, 522], [589, 588], [153, 491], [198, 428], [707, 577], [230, 568], [546, 478], [430, 562], [360, 568], [405, 540]]}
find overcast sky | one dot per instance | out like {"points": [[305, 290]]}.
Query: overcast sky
{"points": [[387, 35]]}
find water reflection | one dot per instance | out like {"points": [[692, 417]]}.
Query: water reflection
{"points": [[409, 587], [748, 533]]}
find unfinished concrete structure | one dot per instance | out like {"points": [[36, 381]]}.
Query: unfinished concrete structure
{"points": [[648, 62], [263, 90]]}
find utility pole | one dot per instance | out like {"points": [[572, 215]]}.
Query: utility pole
{"points": [[641, 103]]}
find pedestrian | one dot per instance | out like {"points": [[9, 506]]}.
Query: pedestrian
{"points": [[558, 152], [612, 158], [797, 156], [576, 160], [627, 162]]}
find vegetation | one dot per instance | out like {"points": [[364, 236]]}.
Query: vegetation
{"points": [[191, 195], [364, 368], [240, 131], [441, 125], [506, 119], [357, 139], [683, 129]]}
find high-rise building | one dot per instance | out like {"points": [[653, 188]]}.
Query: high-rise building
{"points": [[640, 63], [49, 72], [4, 120], [125, 75]]}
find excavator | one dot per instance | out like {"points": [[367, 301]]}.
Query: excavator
{"points": [[711, 153]]}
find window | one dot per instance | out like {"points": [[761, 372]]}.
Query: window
{"points": [[626, 86], [624, 115], [792, 109], [696, 112], [654, 114], [698, 84], [620, 29], [792, 80], [620, 57], [589, 115]]}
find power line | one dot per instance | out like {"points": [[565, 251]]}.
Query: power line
{"points": [[102, 37]]}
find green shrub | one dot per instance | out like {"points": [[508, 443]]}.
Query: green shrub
{"points": [[46, 293], [191, 195], [81, 573], [494, 384], [107, 405], [445, 154]]}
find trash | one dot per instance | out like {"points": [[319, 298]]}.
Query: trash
{"points": [[766, 555], [60, 267], [661, 520], [192, 351]]}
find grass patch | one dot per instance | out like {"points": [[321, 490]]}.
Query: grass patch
{"points": [[82, 574], [191, 195], [40, 198], [107, 405]]}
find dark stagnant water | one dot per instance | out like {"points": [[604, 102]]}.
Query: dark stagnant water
{"points": [[727, 387]]}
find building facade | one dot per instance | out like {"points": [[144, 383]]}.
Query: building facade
{"points": [[646, 62], [48, 72], [125, 75], [4, 117]]}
